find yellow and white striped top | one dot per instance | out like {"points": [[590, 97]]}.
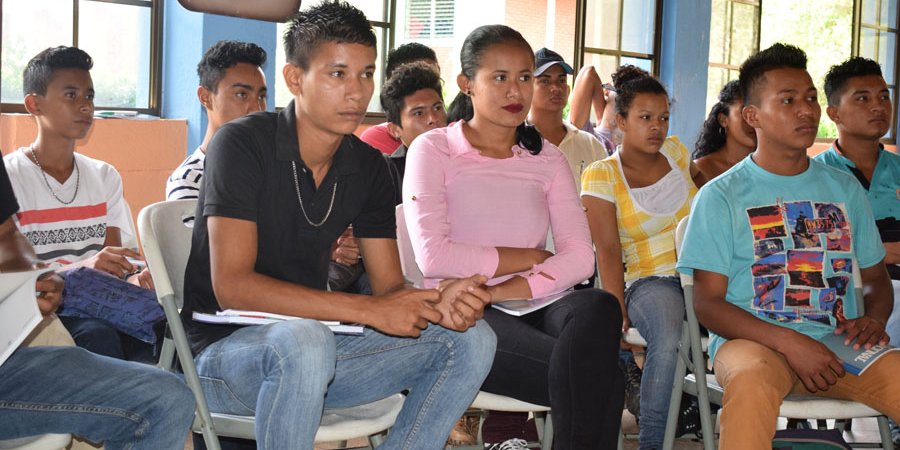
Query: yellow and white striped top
{"points": [[646, 217]]}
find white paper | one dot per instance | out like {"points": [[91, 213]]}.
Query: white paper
{"points": [[19, 312]]}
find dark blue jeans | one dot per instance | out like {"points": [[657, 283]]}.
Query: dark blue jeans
{"points": [[100, 337]]}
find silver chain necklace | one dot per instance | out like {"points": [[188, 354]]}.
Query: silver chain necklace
{"points": [[299, 199], [47, 181]]}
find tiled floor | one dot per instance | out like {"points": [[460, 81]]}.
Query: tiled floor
{"points": [[864, 430]]}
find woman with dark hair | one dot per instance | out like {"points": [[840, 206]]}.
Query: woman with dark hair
{"points": [[634, 200], [725, 138], [479, 197]]}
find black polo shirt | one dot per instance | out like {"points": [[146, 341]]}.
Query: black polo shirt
{"points": [[8, 203], [248, 176]]}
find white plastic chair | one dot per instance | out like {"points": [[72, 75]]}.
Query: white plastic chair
{"points": [[167, 242], [692, 361], [41, 442], [484, 400]]}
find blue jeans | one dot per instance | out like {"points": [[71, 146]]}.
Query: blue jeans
{"points": [[101, 337], [287, 373], [70, 390], [656, 308]]}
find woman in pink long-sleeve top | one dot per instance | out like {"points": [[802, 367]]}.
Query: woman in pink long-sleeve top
{"points": [[480, 197]]}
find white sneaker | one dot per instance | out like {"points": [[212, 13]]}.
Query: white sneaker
{"points": [[511, 444]]}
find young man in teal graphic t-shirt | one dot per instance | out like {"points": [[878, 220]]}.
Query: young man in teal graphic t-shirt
{"points": [[772, 244]]}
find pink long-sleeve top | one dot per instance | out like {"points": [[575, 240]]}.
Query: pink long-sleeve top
{"points": [[460, 206]]}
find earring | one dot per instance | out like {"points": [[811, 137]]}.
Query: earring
{"points": [[722, 130]]}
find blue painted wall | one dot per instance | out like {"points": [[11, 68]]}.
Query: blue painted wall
{"points": [[187, 35], [684, 59]]}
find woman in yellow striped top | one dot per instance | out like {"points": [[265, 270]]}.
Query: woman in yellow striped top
{"points": [[634, 200]]}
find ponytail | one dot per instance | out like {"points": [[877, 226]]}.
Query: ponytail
{"points": [[460, 108], [528, 137]]}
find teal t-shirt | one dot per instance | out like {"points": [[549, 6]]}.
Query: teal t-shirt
{"points": [[884, 187], [786, 243]]}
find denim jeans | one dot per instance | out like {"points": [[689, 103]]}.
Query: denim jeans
{"points": [[564, 356], [656, 308], [287, 373], [70, 390], [100, 337]]}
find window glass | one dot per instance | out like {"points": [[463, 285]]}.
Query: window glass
{"points": [[824, 45], [719, 32], [890, 9], [645, 64], [30, 26], [601, 28], [887, 55], [121, 71], [638, 25], [734, 30], [744, 32], [881, 13], [118, 34], [718, 77]]}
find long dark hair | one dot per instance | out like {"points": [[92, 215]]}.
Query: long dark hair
{"points": [[527, 136], [712, 134]]}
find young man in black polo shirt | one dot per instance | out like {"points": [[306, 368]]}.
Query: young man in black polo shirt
{"points": [[278, 190]]}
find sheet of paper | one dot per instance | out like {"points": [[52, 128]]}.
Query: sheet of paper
{"points": [[19, 313]]}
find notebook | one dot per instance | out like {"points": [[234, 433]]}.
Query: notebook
{"points": [[19, 312], [522, 306], [242, 317]]}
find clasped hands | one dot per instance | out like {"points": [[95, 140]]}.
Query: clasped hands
{"points": [[456, 304]]}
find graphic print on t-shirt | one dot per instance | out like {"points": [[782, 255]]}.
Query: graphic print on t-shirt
{"points": [[797, 277]]}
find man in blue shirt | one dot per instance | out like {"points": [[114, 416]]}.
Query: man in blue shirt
{"points": [[859, 103], [771, 244]]}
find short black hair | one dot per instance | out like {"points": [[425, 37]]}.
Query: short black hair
{"points": [[838, 75], [778, 56], [406, 54], [630, 81], [224, 55], [329, 21], [406, 80], [712, 134], [39, 71]]}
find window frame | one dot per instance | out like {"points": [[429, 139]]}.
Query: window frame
{"points": [[858, 26], [758, 5], [856, 30], [581, 48], [155, 80]]}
